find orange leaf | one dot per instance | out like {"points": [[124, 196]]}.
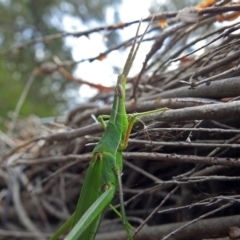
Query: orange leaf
{"points": [[120, 25], [186, 60], [162, 23], [205, 3], [101, 57], [227, 17]]}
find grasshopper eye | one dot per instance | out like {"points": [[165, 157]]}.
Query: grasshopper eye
{"points": [[120, 91]]}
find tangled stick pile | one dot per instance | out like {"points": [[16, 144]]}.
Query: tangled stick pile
{"points": [[181, 171]]}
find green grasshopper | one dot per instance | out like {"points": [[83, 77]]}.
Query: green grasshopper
{"points": [[103, 176]]}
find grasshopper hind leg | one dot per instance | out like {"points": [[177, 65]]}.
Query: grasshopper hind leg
{"points": [[127, 226]]}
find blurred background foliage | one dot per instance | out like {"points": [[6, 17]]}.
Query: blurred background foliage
{"points": [[24, 20]]}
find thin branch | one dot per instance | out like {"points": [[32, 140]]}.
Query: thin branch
{"points": [[176, 158], [157, 232], [196, 220]]}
